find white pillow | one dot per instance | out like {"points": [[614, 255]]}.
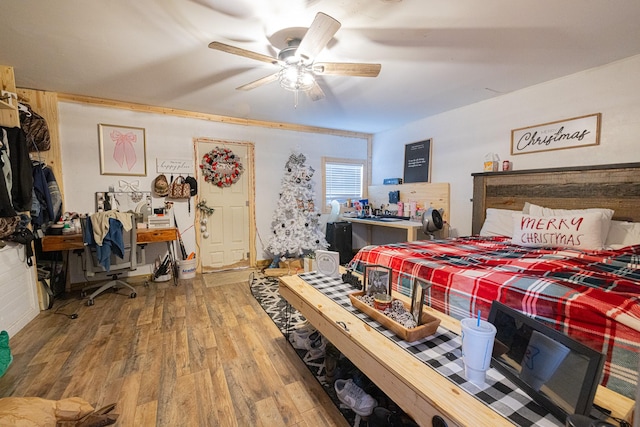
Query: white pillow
{"points": [[536, 210], [581, 231], [498, 222], [622, 234]]}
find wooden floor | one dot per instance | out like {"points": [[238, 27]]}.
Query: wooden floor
{"points": [[202, 353]]}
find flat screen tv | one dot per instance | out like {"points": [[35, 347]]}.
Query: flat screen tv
{"points": [[557, 371]]}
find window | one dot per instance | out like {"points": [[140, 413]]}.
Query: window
{"points": [[342, 179]]}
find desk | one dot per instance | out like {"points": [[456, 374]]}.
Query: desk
{"points": [[70, 242], [418, 389], [412, 227]]}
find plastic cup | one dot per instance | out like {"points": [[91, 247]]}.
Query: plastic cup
{"points": [[477, 346], [541, 360]]}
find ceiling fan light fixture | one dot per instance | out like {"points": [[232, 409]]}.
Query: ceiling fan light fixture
{"points": [[296, 78], [298, 49]]}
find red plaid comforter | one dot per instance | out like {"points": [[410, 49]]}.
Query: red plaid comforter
{"points": [[591, 296]]}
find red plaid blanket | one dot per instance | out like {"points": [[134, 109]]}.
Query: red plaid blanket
{"points": [[591, 296]]}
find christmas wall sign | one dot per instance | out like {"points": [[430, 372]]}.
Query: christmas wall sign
{"points": [[221, 167], [577, 132]]}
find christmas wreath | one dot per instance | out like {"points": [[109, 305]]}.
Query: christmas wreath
{"points": [[221, 167]]}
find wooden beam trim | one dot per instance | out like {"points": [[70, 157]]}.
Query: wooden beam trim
{"points": [[589, 190], [206, 116], [580, 169]]}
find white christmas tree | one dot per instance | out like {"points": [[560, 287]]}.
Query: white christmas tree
{"points": [[295, 224]]}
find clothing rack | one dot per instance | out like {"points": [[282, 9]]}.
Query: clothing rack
{"points": [[6, 99], [39, 159], [23, 108]]}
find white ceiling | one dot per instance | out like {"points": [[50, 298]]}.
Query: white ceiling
{"points": [[436, 55]]}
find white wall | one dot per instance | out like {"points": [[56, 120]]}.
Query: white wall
{"points": [[19, 303], [463, 136], [172, 137]]}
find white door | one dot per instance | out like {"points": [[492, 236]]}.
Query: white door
{"points": [[226, 240]]}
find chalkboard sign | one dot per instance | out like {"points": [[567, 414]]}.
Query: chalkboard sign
{"points": [[417, 161]]}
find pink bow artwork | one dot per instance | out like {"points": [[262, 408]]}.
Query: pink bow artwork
{"points": [[124, 151]]}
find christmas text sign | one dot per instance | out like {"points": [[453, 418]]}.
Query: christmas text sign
{"points": [[577, 132]]}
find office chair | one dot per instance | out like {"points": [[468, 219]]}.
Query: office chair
{"points": [[133, 255]]}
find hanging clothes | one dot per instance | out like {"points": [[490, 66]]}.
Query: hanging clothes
{"points": [[111, 242], [6, 207], [54, 192], [47, 202], [100, 223], [16, 197], [43, 197]]}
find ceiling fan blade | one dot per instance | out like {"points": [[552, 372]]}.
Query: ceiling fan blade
{"points": [[263, 81], [236, 9], [242, 52], [315, 93], [317, 36], [347, 69]]}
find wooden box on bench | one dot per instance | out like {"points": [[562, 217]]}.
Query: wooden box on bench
{"points": [[428, 325]]}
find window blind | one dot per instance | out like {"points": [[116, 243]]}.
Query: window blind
{"points": [[343, 181]]}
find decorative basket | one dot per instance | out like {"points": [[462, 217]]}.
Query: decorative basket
{"points": [[428, 325]]}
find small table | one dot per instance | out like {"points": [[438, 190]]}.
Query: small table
{"points": [[412, 227], [69, 242]]}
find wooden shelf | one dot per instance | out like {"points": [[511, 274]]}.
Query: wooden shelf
{"points": [[6, 106], [8, 113]]}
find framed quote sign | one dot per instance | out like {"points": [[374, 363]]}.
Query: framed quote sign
{"points": [[571, 133], [417, 161]]}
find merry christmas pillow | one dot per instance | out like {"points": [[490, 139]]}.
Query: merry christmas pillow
{"points": [[531, 209], [581, 231]]}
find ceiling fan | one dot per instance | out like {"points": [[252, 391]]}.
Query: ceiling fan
{"points": [[297, 69]]}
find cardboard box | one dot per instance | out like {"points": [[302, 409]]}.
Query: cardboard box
{"points": [[490, 166], [309, 264]]}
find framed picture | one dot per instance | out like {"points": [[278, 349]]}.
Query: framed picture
{"points": [[570, 133], [417, 161], [418, 293], [377, 280], [122, 150], [328, 263]]}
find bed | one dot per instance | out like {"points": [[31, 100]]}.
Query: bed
{"points": [[589, 292]]}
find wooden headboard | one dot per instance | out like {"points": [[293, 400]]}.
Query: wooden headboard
{"points": [[615, 186]]}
